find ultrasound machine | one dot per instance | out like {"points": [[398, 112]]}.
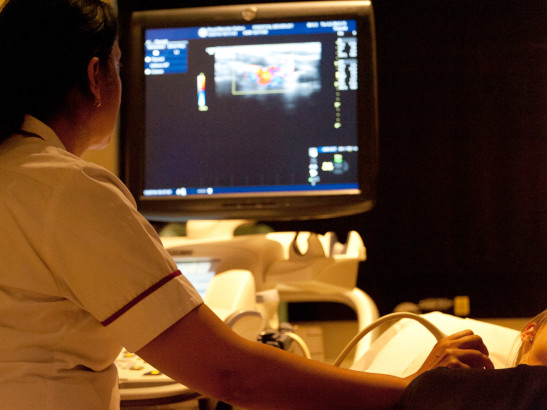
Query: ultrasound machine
{"points": [[255, 112]]}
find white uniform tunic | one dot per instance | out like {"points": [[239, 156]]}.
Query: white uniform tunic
{"points": [[82, 274]]}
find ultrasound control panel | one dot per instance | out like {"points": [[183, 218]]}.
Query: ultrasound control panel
{"points": [[139, 381]]}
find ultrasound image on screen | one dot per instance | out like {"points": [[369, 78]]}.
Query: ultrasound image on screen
{"points": [[245, 113], [259, 70]]}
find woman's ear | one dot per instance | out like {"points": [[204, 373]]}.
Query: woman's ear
{"points": [[93, 73], [527, 335]]}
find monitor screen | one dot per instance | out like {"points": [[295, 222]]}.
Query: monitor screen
{"points": [[199, 271], [264, 111]]}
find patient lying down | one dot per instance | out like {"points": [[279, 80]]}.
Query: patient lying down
{"points": [[520, 387]]}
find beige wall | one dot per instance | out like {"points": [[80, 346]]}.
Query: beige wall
{"points": [[107, 157]]}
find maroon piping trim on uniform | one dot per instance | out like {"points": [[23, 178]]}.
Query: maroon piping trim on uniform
{"points": [[141, 297]]}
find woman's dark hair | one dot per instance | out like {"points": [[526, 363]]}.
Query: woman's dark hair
{"points": [[45, 47]]}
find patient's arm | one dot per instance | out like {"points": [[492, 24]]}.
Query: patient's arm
{"points": [[463, 350]]}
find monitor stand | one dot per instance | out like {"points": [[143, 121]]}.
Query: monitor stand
{"points": [[300, 266], [214, 229]]}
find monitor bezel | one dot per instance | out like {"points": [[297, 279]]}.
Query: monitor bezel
{"points": [[293, 206]]}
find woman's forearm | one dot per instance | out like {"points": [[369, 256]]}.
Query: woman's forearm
{"points": [[201, 353]]}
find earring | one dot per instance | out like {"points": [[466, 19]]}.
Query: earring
{"points": [[531, 339], [97, 104]]}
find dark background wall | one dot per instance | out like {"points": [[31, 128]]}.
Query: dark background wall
{"points": [[462, 201]]}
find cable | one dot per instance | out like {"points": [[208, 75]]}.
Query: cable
{"points": [[384, 319], [300, 342]]}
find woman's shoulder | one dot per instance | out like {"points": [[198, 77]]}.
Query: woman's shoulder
{"points": [[521, 387], [33, 165], [35, 158]]}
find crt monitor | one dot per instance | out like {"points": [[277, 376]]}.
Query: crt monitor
{"points": [[256, 111]]}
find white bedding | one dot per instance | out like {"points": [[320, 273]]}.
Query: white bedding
{"points": [[401, 349]]}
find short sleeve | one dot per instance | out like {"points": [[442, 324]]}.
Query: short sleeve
{"points": [[108, 260]]}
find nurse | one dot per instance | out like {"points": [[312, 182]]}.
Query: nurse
{"points": [[82, 273]]}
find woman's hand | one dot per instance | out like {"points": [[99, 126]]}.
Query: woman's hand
{"points": [[460, 350]]}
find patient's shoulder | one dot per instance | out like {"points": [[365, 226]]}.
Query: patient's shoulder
{"points": [[522, 387]]}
